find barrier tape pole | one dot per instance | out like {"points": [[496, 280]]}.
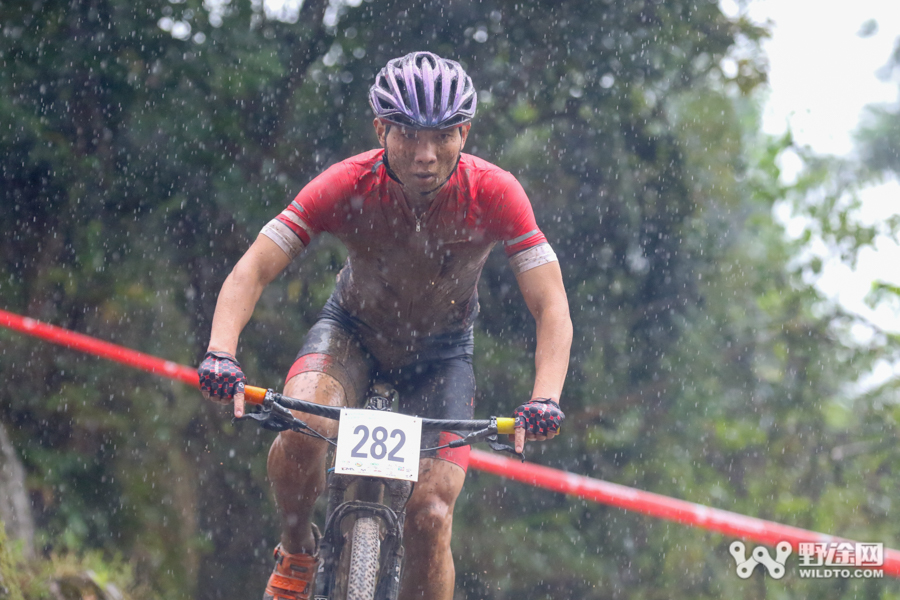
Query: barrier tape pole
{"points": [[648, 503]]}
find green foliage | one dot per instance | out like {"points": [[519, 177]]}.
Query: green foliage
{"points": [[9, 580], [879, 136], [145, 144], [66, 576], [878, 140]]}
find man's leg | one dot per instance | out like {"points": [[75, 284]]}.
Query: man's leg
{"points": [[428, 565], [296, 465]]}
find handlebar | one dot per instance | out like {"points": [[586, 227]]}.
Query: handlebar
{"points": [[262, 396]]}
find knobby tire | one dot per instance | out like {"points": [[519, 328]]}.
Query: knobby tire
{"points": [[363, 573]]}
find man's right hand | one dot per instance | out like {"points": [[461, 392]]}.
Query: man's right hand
{"points": [[221, 380]]}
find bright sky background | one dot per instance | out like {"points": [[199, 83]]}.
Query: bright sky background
{"points": [[821, 71], [821, 75]]}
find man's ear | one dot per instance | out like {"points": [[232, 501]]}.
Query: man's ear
{"points": [[464, 134], [380, 131]]}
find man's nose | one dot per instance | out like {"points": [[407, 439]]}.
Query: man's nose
{"points": [[426, 152]]}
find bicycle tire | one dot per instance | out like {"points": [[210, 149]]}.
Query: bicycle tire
{"points": [[363, 573]]}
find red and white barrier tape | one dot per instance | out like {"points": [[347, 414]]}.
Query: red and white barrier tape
{"points": [[648, 503]]}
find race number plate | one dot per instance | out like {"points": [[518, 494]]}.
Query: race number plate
{"points": [[377, 443]]}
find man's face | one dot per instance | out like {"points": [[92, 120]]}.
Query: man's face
{"points": [[422, 158]]}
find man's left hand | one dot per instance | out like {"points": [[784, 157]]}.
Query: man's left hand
{"points": [[537, 420]]}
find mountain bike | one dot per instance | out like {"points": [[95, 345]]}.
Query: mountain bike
{"points": [[375, 467]]}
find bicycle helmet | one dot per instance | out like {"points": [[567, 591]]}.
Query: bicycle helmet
{"points": [[423, 90]]}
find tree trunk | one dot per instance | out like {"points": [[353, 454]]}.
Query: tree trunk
{"points": [[15, 507]]}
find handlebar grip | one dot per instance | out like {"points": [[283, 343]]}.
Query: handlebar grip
{"points": [[506, 425], [254, 395]]}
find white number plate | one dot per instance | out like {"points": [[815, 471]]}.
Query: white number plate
{"points": [[378, 443]]}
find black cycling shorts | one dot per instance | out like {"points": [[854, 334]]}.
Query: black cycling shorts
{"points": [[440, 386]]}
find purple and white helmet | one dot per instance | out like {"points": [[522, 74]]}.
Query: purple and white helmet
{"points": [[423, 90]]}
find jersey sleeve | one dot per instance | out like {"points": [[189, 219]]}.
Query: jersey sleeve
{"points": [[314, 210], [512, 222]]}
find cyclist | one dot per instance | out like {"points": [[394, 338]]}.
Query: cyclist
{"points": [[418, 218]]}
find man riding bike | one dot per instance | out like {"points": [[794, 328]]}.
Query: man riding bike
{"points": [[418, 218]]}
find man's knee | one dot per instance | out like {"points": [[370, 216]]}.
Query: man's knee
{"points": [[430, 519], [297, 447]]}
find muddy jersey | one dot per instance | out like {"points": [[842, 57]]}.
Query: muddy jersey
{"points": [[411, 277]]}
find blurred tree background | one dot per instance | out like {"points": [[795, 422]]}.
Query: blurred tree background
{"points": [[144, 144]]}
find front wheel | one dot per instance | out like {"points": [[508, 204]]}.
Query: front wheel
{"points": [[366, 547]]}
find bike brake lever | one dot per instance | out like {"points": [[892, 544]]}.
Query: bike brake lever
{"points": [[277, 418], [498, 447], [472, 438], [485, 435], [266, 420]]}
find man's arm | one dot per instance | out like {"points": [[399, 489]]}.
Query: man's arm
{"points": [[545, 296], [262, 263]]}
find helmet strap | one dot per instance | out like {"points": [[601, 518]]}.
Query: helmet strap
{"points": [[387, 167]]}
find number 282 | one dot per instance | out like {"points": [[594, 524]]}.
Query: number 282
{"points": [[378, 445]]}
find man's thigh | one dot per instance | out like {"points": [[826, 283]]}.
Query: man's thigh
{"points": [[331, 368], [319, 388]]}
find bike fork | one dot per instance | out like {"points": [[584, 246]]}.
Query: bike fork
{"points": [[389, 580], [391, 514]]}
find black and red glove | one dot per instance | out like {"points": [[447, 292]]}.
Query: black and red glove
{"points": [[540, 416], [220, 374]]}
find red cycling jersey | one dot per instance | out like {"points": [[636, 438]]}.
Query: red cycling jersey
{"points": [[410, 276]]}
